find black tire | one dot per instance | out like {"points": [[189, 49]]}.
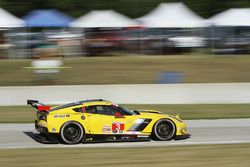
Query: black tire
{"points": [[164, 129], [72, 133]]}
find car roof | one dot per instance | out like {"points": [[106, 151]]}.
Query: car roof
{"points": [[96, 102], [84, 103]]}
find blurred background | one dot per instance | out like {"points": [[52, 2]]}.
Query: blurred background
{"points": [[109, 49], [123, 41]]}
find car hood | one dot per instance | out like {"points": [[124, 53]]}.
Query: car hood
{"points": [[154, 113], [149, 111]]}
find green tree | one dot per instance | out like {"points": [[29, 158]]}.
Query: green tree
{"points": [[132, 8]]}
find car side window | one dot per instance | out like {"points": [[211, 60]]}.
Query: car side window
{"points": [[90, 109], [79, 109], [105, 110], [87, 109], [101, 109]]}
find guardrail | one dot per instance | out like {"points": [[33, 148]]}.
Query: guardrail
{"points": [[222, 93]]}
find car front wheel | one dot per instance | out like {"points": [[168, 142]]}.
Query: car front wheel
{"points": [[164, 129]]}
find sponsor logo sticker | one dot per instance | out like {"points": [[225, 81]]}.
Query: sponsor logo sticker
{"points": [[106, 129], [61, 115]]}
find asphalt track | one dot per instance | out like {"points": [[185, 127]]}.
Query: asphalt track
{"points": [[219, 131]]}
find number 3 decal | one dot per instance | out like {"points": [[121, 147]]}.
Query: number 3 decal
{"points": [[117, 127]]}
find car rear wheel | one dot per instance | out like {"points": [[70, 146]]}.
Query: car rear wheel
{"points": [[72, 133], [164, 129]]}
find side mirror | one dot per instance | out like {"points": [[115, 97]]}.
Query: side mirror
{"points": [[118, 115]]}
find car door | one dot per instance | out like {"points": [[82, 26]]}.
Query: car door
{"points": [[105, 120]]}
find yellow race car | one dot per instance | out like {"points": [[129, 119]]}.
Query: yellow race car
{"points": [[100, 120]]}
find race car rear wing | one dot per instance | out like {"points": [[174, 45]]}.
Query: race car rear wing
{"points": [[40, 106]]}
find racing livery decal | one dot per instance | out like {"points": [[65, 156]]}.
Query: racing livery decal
{"points": [[61, 115], [106, 129], [139, 124], [117, 127]]}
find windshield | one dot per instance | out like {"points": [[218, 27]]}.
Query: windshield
{"points": [[126, 111]]}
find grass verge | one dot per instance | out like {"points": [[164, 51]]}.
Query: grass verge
{"points": [[132, 70], [189, 156], [26, 114]]}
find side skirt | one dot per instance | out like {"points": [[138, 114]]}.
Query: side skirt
{"points": [[115, 138]]}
